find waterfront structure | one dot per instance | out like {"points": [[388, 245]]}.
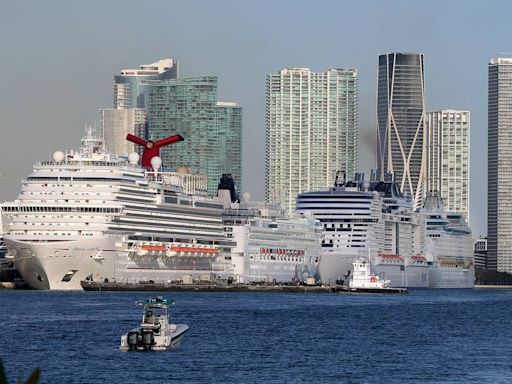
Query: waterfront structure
{"points": [[130, 90], [499, 165], [212, 130], [117, 123], [481, 254], [401, 122], [447, 146], [311, 130]]}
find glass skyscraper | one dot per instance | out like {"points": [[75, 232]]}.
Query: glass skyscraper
{"points": [[311, 131], [130, 90], [212, 130], [448, 133], [401, 122], [499, 163]]}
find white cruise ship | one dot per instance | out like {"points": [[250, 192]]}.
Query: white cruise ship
{"points": [[91, 215], [351, 219], [449, 245], [271, 245], [374, 220]]}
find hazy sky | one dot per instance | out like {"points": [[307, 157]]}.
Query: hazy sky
{"points": [[58, 58]]}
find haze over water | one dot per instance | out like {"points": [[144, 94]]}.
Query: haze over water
{"points": [[428, 336]]}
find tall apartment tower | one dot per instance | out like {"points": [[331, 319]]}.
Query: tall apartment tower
{"points": [[401, 122], [499, 165], [448, 158], [212, 130], [117, 123], [130, 90], [311, 131]]}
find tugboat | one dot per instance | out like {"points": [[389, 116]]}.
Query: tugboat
{"points": [[365, 282], [156, 333]]}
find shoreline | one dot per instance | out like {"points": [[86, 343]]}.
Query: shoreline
{"points": [[493, 286]]}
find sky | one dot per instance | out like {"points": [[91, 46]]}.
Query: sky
{"points": [[57, 59]]}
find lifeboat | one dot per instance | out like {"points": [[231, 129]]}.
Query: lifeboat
{"points": [[194, 250], [153, 248]]}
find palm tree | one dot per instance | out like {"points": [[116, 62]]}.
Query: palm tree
{"points": [[33, 379]]}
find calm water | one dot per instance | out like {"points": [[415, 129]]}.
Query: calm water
{"points": [[452, 336]]}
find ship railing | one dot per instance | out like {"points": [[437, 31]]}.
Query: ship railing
{"points": [[188, 183], [89, 163]]}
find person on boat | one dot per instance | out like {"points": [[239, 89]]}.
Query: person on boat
{"points": [[149, 317]]}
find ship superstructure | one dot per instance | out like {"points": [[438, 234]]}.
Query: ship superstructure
{"points": [[88, 214], [272, 246]]}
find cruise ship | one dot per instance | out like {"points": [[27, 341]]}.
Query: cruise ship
{"points": [[449, 245], [375, 221], [272, 246], [351, 218], [91, 215]]}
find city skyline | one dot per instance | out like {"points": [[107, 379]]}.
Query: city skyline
{"points": [[450, 81]]}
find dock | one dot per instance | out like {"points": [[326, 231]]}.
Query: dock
{"points": [[214, 287]]}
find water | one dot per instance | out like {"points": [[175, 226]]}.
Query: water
{"points": [[428, 336]]}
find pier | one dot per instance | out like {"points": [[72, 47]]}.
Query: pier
{"points": [[212, 287]]}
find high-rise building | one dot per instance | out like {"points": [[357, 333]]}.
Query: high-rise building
{"points": [[481, 253], [499, 165], [130, 90], [401, 122], [229, 125], [212, 130], [311, 131], [117, 123], [448, 158]]}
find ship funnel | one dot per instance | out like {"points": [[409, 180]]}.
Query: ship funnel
{"points": [[227, 183]]}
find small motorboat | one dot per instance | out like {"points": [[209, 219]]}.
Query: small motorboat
{"points": [[156, 332]]}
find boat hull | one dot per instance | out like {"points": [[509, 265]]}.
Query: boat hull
{"points": [[335, 267], [432, 276], [61, 265], [165, 342]]}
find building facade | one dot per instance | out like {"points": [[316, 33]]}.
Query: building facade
{"points": [[448, 137], [117, 123], [401, 122], [229, 130], [130, 90], [499, 163], [481, 254], [212, 130], [311, 131]]}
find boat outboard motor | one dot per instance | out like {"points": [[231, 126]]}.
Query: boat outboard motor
{"points": [[133, 339], [148, 339]]}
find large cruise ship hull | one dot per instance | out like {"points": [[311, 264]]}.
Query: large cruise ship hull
{"points": [[452, 278], [404, 277], [61, 265], [334, 267], [276, 272], [432, 276]]}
